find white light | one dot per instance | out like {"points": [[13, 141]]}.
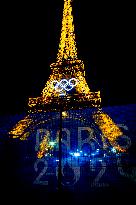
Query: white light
{"points": [[52, 143], [113, 150], [57, 160], [62, 94], [76, 154], [64, 84], [75, 82]]}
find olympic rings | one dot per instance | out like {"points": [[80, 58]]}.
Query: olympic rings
{"points": [[64, 84]]}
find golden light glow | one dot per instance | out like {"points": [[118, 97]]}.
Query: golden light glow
{"points": [[46, 146], [19, 131], [109, 129], [67, 66], [65, 114]]}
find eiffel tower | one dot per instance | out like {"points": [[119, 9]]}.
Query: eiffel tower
{"points": [[67, 80], [67, 88]]}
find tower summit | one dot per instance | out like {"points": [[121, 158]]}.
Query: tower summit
{"points": [[67, 46], [67, 79]]}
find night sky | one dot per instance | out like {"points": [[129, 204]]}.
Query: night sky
{"points": [[30, 36]]}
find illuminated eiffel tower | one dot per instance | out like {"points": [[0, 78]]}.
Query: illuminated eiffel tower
{"points": [[67, 80], [67, 88]]}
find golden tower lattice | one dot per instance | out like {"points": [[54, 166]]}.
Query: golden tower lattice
{"points": [[67, 87], [66, 74]]}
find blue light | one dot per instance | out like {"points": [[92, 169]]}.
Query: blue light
{"points": [[71, 153], [75, 154]]}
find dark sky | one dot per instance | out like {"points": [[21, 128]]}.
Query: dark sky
{"points": [[105, 35]]}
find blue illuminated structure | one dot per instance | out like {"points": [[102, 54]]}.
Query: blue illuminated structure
{"points": [[86, 166]]}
